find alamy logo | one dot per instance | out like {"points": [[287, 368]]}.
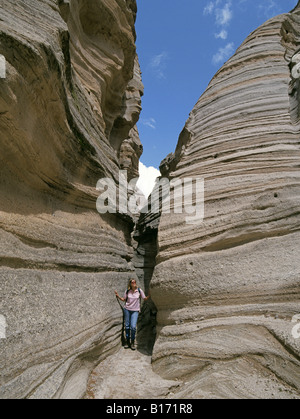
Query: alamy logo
{"points": [[3, 326], [296, 328], [180, 196], [2, 67]]}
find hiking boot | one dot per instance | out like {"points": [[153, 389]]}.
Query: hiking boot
{"points": [[127, 346], [133, 346]]}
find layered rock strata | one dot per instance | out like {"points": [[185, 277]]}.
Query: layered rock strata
{"points": [[68, 109], [227, 288]]}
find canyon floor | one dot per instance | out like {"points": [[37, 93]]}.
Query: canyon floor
{"points": [[128, 375]]}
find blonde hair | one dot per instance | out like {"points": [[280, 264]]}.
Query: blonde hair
{"points": [[129, 283]]}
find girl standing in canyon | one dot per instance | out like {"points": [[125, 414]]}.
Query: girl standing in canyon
{"points": [[132, 298]]}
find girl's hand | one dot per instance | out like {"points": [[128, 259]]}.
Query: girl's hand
{"points": [[149, 296], [120, 298]]}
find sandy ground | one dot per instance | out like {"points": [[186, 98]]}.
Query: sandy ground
{"points": [[128, 375]]}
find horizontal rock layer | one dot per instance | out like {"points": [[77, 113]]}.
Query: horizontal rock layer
{"points": [[227, 288], [70, 99]]}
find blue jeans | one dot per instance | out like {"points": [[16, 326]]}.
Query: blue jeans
{"points": [[131, 318]]}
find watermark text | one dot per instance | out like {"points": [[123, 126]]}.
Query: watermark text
{"points": [[296, 328], [178, 196], [3, 326], [2, 67]]}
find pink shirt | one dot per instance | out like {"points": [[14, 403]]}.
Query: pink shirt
{"points": [[133, 300]]}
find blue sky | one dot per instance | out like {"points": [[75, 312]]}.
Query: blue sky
{"points": [[181, 44]]}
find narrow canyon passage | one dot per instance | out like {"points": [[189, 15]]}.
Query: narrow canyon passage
{"points": [[110, 379], [224, 287], [128, 375]]}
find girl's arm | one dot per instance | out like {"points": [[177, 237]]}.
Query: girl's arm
{"points": [[117, 295], [147, 298]]}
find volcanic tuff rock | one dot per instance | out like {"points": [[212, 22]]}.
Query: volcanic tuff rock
{"points": [[68, 109], [227, 289]]}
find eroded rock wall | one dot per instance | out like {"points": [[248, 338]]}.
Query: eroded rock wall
{"points": [[227, 289], [70, 99]]}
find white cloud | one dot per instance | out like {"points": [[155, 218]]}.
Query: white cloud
{"points": [[147, 178], [223, 54], [223, 34], [209, 8], [149, 122], [224, 15], [158, 65], [222, 11]]}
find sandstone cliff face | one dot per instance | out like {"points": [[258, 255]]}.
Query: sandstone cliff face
{"points": [[227, 289], [68, 109]]}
